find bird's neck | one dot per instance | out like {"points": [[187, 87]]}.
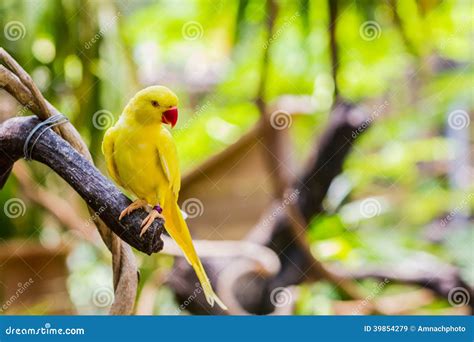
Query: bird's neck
{"points": [[140, 131], [134, 117]]}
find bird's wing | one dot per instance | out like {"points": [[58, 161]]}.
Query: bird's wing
{"points": [[108, 151], [168, 157]]}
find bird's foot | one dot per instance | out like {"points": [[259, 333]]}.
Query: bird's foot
{"points": [[132, 207], [152, 216]]}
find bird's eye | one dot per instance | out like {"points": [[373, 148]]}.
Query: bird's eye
{"points": [[155, 103]]}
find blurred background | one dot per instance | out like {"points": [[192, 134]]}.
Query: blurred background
{"points": [[404, 198]]}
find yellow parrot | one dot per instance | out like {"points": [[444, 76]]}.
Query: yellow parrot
{"points": [[141, 157]]}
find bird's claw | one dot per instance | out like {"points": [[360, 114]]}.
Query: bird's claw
{"points": [[146, 223], [132, 207], [124, 213]]}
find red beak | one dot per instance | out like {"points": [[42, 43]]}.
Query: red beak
{"points": [[170, 116]]}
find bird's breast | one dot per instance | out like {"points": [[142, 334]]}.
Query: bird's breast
{"points": [[137, 161]]}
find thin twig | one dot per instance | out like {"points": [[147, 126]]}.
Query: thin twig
{"points": [[332, 28], [26, 79], [124, 266]]}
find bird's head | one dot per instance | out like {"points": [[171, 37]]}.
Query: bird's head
{"points": [[155, 104]]}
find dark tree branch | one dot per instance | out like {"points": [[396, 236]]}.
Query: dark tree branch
{"points": [[254, 291], [276, 154], [19, 84], [298, 264], [327, 160], [430, 273], [99, 193]]}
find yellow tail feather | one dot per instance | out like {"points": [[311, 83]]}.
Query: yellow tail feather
{"points": [[178, 230]]}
